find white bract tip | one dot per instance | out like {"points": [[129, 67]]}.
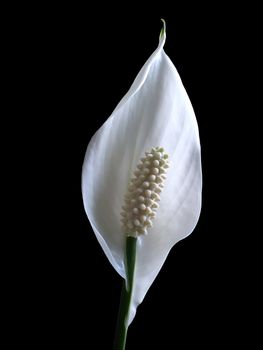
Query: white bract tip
{"points": [[136, 215]]}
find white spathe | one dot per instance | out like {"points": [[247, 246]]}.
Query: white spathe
{"points": [[156, 111]]}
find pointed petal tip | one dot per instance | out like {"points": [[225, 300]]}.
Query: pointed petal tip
{"points": [[163, 30]]}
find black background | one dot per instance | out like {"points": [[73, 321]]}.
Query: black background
{"points": [[73, 66]]}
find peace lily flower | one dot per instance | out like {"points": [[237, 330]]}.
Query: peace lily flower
{"points": [[142, 178]]}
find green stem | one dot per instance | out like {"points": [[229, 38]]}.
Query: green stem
{"points": [[126, 295]]}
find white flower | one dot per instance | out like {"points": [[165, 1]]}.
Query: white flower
{"points": [[156, 112]]}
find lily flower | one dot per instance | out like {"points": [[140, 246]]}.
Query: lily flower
{"points": [[142, 175]]}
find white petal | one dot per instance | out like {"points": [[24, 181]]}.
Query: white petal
{"points": [[155, 112]]}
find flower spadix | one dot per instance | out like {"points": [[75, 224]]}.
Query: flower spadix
{"points": [[143, 195], [142, 173]]}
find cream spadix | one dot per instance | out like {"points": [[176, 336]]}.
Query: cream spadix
{"points": [[156, 111], [141, 200]]}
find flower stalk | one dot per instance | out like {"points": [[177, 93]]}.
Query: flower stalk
{"points": [[126, 295]]}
